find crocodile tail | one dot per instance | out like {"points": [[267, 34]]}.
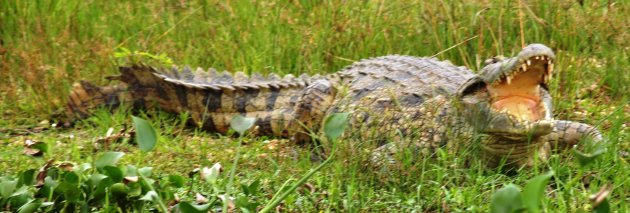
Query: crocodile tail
{"points": [[85, 97], [212, 98]]}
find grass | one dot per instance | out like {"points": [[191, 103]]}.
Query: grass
{"points": [[47, 45]]}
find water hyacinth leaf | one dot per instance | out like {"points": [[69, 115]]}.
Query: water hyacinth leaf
{"points": [[7, 188], [585, 159], [241, 123], [20, 199], [176, 180], [146, 137], [335, 124], [168, 194], [114, 173], [71, 178], [155, 198], [132, 170], [507, 199], [70, 191], [146, 183], [186, 207], [31, 206], [534, 191], [100, 185], [150, 196], [50, 183], [146, 171], [24, 190], [119, 190], [108, 159], [97, 178], [85, 166], [135, 189]]}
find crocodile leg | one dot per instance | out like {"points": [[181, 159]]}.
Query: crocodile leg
{"points": [[567, 134], [310, 110], [564, 135]]}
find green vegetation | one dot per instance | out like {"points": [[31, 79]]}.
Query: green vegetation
{"points": [[45, 46]]}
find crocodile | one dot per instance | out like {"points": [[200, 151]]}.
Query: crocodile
{"points": [[402, 102]]}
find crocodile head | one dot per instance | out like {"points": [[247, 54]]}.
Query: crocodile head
{"points": [[509, 102]]}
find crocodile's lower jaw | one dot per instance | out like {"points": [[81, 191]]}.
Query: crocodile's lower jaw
{"points": [[514, 154]]}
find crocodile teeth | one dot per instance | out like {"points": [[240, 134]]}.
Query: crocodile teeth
{"points": [[509, 79], [524, 67], [546, 78], [537, 57], [529, 63]]}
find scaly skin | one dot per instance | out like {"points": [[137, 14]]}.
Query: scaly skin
{"points": [[420, 103]]}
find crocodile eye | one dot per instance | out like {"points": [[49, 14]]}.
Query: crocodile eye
{"points": [[494, 60]]}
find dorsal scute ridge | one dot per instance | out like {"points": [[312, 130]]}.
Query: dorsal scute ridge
{"points": [[240, 77], [186, 74], [257, 77], [200, 76], [212, 79]]}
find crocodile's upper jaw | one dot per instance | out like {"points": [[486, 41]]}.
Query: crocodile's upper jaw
{"points": [[513, 94]]}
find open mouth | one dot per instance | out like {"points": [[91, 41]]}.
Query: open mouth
{"points": [[518, 91]]}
